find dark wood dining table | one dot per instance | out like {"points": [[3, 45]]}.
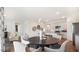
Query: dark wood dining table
{"points": [[45, 43], [35, 41]]}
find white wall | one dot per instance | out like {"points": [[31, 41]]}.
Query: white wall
{"points": [[73, 17], [29, 24], [69, 29], [70, 22], [29, 18], [27, 27]]}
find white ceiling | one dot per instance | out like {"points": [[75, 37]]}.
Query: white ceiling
{"points": [[34, 13]]}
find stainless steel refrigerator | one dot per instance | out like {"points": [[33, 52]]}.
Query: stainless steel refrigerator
{"points": [[76, 35]]}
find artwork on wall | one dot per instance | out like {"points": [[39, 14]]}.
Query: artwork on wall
{"points": [[34, 28], [38, 27]]}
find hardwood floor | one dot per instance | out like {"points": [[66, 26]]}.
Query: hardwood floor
{"points": [[70, 47], [9, 47]]}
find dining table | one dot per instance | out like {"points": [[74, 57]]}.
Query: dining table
{"points": [[45, 42]]}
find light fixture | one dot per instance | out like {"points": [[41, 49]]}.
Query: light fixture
{"points": [[48, 26], [39, 20], [63, 17], [57, 13]]}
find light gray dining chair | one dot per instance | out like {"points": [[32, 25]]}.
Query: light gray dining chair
{"points": [[61, 49], [18, 46]]}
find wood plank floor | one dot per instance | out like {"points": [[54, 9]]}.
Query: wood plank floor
{"points": [[70, 47]]}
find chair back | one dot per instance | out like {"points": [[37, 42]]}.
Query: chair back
{"points": [[19, 47], [62, 48], [50, 49]]}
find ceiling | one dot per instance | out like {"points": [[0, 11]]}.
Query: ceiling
{"points": [[36, 13]]}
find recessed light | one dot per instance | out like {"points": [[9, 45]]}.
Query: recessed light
{"points": [[63, 17], [57, 13], [39, 20]]}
